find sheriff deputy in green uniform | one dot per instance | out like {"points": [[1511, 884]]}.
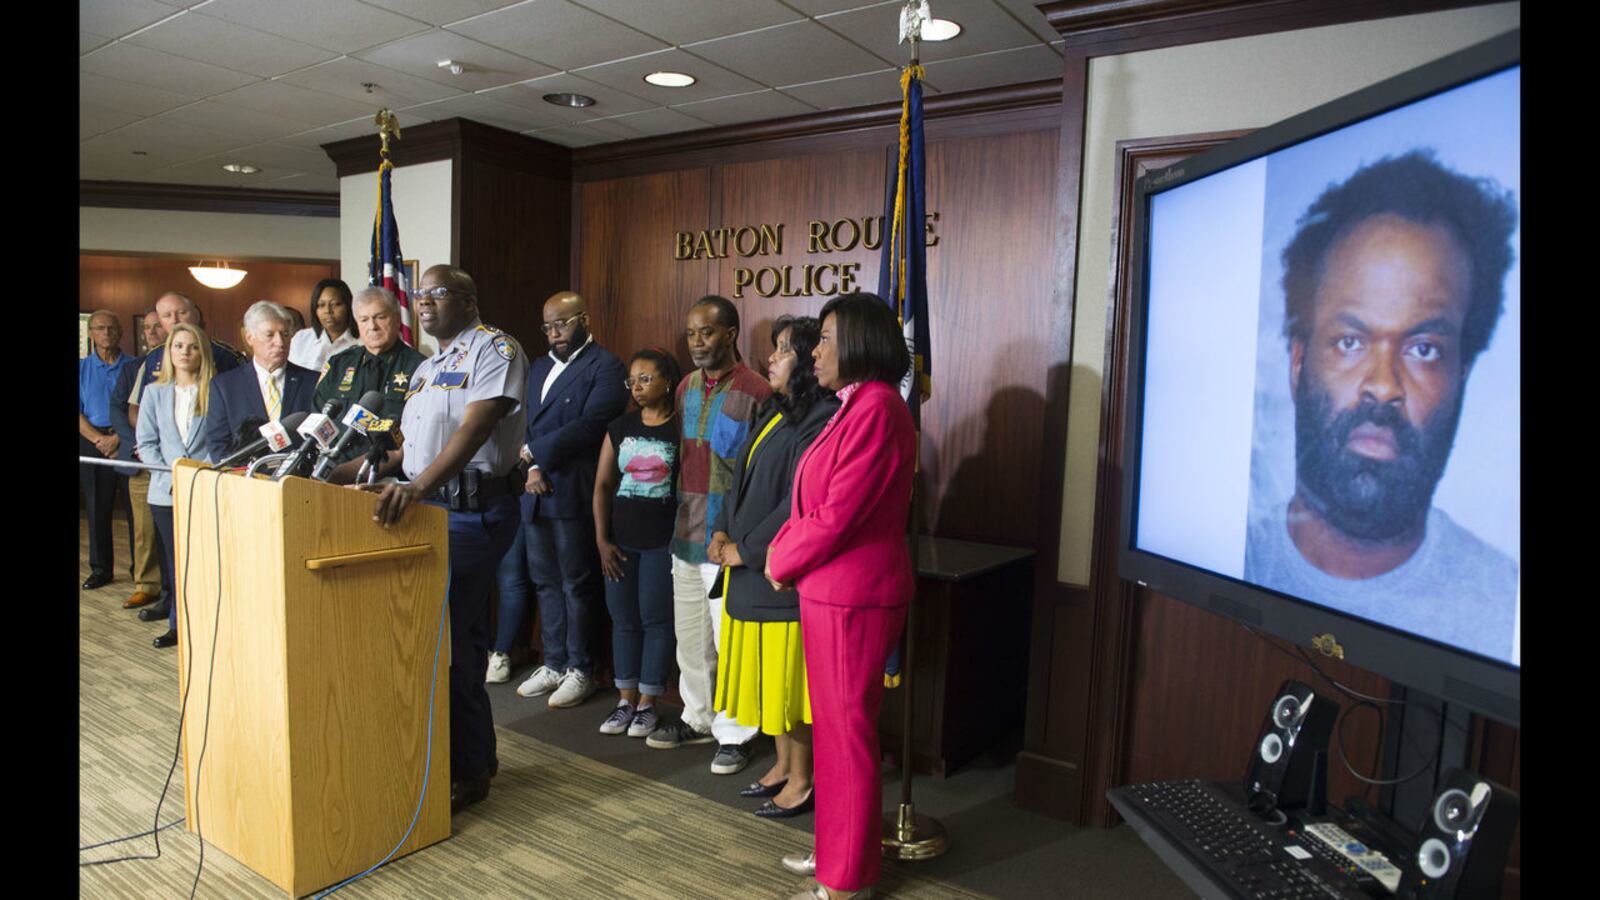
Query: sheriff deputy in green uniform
{"points": [[382, 363]]}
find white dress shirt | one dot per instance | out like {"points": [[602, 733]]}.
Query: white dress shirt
{"points": [[183, 410], [559, 367], [310, 350]]}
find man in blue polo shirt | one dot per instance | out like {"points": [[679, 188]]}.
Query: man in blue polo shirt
{"points": [[97, 372]]}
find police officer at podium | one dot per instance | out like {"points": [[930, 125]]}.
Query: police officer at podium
{"points": [[462, 427]]}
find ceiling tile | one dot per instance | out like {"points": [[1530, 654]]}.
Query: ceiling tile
{"points": [[119, 17], [573, 136], [441, 12], [87, 42], [279, 157], [855, 90], [234, 46], [821, 7], [141, 65], [628, 75], [1036, 63], [305, 182], [167, 142], [123, 95], [365, 125], [1028, 12], [682, 21], [95, 119], [344, 77], [788, 54], [746, 108], [608, 101], [659, 121], [984, 27], [341, 25], [248, 125], [558, 33], [302, 105], [210, 172], [484, 66], [482, 108]]}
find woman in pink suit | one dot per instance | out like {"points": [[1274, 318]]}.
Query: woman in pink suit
{"points": [[844, 546]]}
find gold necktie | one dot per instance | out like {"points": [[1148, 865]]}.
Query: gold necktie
{"points": [[274, 401]]}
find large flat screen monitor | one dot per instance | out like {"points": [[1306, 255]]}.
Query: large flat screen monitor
{"points": [[1324, 410]]}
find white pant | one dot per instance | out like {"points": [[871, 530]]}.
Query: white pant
{"points": [[697, 621]]}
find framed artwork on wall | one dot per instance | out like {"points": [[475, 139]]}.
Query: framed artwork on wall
{"points": [[84, 346]]}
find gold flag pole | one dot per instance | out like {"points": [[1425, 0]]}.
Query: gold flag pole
{"points": [[908, 834]]}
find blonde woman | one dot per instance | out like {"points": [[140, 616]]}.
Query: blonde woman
{"points": [[172, 418]]}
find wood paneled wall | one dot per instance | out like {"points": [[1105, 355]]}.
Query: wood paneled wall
{"points": [[128, 285], [988, 281]]}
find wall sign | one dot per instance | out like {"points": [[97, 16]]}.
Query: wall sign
{"points": [[820, 279]]}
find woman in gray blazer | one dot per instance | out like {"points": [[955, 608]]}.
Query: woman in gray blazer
{"points": [[172, 420]]}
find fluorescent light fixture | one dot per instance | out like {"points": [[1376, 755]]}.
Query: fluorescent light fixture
{"points": [[939, 30], [217, 275], [670, 79], [240, 168], [574, 100]]}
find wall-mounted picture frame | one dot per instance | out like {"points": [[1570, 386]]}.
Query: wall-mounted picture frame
{"points": [[84, 345], [413, 274]]}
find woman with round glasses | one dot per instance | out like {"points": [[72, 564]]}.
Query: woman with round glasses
{"points": [[635, 503]]}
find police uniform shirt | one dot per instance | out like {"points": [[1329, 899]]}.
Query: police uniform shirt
{"points": [[482, 363], [350, 373]]}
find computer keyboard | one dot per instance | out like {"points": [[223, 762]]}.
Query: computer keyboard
{"points": [[1242, 855]]}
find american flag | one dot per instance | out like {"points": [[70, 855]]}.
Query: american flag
{"points": [[387, 267]]}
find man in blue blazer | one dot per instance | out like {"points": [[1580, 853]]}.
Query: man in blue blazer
{"points": [[270, 387], [574, 392]]}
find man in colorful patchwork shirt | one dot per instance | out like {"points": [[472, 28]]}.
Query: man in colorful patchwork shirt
{"points": [[717, 403]]}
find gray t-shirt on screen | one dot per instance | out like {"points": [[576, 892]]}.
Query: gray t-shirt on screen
{"points": [[1455, 588]]}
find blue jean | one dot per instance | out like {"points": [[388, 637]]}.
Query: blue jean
{"points": [[515, 588], [565, 567], [642, 641], [477, 542]]}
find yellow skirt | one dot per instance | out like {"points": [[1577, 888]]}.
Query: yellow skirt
{"points": [[761, 675]]}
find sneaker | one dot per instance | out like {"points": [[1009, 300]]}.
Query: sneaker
{"points": [[730, 758], [619, 720], [543, 680], [668, 737], [499, 669], [575, 688], [644, 722]]}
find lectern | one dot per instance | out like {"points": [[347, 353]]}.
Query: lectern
{"points": [[306, 637]]}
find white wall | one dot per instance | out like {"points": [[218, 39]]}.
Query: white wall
{"points": [[1217, 86], [422, 195], [228, 235]]}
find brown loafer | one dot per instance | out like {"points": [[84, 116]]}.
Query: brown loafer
{"points": [[140, 598]]}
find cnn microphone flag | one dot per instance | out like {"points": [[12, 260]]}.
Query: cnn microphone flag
{"points": [[387, 267]]}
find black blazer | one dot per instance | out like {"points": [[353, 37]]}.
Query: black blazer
{"points": [[236, 396], [758, 505]]}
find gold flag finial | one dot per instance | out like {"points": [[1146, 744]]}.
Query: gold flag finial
{"points": [[388, 126]]}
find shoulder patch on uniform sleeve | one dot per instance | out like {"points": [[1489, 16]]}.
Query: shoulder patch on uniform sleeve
{"points": [[416, 385], [504, 346]]}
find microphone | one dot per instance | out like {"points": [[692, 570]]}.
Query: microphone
{"points": [[321, 429], [275, 437], [246, 433], [356, 422], [383, 438]]}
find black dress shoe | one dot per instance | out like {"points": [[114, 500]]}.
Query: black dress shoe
{"points": [[494, 767], [170, 639], [96, 579], [154, 613], [771, 810], [468, 791], [757, 789]]}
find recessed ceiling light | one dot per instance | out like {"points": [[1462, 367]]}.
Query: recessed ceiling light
{"points": [[240, 168], [939, 30], [670, 79], [574, 100]]}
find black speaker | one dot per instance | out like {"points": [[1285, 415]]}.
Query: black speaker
{"points": [[1288, 766], [1463, 841]]}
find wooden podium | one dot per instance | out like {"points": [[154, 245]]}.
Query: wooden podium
{"points": [[303, 741]]}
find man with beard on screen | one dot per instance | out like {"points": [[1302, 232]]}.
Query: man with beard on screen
{"points": [[1392, 284]]}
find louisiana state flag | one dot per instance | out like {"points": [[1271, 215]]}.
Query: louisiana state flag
{"points": [[387, 266], [903, 269]]}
